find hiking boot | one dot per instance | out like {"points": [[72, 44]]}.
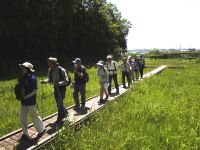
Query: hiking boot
{"points": [[76, 107], [100, 101], [41, 134], [83, 107], [24, 138]]}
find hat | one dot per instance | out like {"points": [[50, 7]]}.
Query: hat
{"points": [[53, 59], [129, 57], [124, 58], [109, 57], [27, 65], [100, 63], [77, 61]]}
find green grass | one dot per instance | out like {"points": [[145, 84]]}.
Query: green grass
{"points": [[162, 112], [10, 107]]}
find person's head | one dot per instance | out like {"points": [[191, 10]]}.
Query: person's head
{"points": [[52, 62], [129, 58], [100, 63], [77, 62], [109, 58], [26, 68], [124, 59]]}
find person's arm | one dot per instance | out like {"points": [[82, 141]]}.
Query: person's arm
{"points": [[34, 92], [33, 85], [45, 81], [116, 64], [82, 73]]}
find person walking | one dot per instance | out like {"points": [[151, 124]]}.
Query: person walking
{"points": [[58, 77], [28, 82], [142, 65], [112, 68], [125, 68], [132, 65], [103, 80], [79, 84], [137, 68]]}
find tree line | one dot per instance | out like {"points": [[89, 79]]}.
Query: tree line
{"points": [[36, 29]]}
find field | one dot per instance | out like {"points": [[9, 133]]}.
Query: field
{"points": [[159, 113], [9, 108]]}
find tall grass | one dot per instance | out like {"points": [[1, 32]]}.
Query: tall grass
{"points": [[159, 113]]}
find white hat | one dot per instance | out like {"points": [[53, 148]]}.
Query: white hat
{"points": [[77, 61], [100, 63], [27, 65], [53, 59], [109, 57], [129, 57]]}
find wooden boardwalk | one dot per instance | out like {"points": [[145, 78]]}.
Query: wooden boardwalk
{"points": [[11, 140]]}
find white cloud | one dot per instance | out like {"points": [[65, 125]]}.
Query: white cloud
{"points": [[162, 23]]}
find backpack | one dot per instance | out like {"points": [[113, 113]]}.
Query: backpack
{"points": [[86, 77], [61, 75], [19, 92]]}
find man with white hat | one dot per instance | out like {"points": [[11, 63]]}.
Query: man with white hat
{"points": [[58, 77], [103, 80], [112, 68], [28, 83]]}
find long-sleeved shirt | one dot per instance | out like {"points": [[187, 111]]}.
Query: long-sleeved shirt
{"points": [[58, 75], [125, 67]]}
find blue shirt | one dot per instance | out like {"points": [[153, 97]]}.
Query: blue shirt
{"points": [[29, 83]]}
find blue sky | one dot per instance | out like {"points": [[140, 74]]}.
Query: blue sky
{"points": [[162, 23]]}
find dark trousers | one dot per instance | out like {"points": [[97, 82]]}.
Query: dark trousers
{"points": [[82, 90], [59, 94], [141, 71], [114, 77], [126, 75]]}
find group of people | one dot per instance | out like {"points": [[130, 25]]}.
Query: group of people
{"points": [[59, 77]]}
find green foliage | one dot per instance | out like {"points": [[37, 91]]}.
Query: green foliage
{"points": [[38, 29], [159, 113]]}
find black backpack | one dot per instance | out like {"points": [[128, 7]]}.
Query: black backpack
{"points": [[86, 74], [19, 92], [86, 77]]}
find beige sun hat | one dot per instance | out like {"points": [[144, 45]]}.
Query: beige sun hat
{"points": [[54, 60], [129, 56], [109, 57], [27, 65]]}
